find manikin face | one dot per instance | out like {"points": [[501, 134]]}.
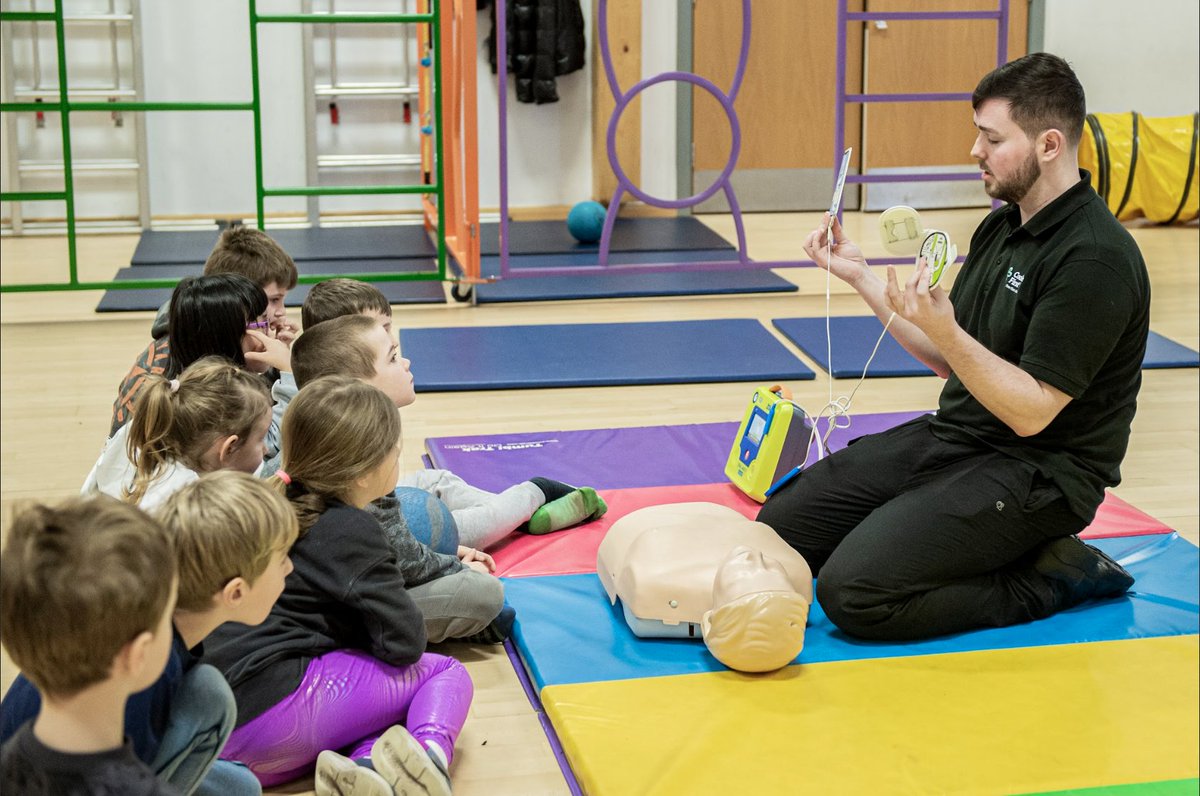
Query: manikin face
{"points": [[392, 375], [1005, 153], [747, 571]]}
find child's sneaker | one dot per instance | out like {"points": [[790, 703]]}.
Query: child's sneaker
{"points": [[408, 766], [341, 776]]}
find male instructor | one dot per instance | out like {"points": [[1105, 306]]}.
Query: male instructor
{"points": [[967, 518]]}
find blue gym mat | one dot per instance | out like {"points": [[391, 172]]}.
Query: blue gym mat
{"points": [[158, 247], [597, 355], [569, 633], [855, 336], [625, 285], [1162, 352], [417, 292], [629, 234]]}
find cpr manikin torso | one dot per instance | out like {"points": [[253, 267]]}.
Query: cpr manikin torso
{"points": [[686, 570]]}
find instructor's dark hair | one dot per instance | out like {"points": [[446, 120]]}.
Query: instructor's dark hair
{"points": [[1042, 92]]}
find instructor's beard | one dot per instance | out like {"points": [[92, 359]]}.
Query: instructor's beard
{"points": [[1013, 190]]}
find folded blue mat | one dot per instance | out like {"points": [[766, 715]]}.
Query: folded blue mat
{"points": [[568, 632], [158, 247], [634, 285], [1162, 352], [854, 337], [414, 292], [597, 355], [629, 234]]}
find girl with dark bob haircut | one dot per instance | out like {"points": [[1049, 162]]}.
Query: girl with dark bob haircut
{"points": [[209, 315]]}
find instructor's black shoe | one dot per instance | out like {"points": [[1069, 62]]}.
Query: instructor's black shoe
{"points": [[1081, 571]]}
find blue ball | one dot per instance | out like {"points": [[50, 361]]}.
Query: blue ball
{"points": [[586, 221], [428, 519]]}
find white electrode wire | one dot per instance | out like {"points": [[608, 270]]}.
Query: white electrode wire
{"points": [[839, 407]]}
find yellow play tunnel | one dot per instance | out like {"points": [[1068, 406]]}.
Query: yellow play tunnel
{"points": [[1143, 166]]}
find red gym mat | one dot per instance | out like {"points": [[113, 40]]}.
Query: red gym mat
{"points": [[573, 551]]}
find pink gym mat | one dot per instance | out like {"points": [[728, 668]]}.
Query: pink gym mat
{"points": [[573, 551], [1115, 517]]}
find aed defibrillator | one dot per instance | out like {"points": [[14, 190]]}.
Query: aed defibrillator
{"points": [[771, 443]]}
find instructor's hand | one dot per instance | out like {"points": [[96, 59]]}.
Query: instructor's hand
{"points": [[929, 309], [844, 260]]}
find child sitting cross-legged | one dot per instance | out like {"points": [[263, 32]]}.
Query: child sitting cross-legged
{"points": [[340, 662], [352, 348], [231, 535], [86, 593]]}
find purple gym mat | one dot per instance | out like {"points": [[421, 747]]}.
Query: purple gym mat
{"points": [[614, 458]]}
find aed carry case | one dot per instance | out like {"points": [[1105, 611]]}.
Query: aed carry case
{"points": [[770, 443]]}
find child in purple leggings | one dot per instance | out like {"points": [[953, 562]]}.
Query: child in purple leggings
{"points": [[339, 665]]}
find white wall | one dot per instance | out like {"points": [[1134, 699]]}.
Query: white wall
{"points": [[1142, 58], [549, 146], [1130, 56]]}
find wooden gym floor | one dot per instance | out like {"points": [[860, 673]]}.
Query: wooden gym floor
{"points": [[60, 364]]}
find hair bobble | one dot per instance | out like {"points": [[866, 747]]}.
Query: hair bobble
{"points": [[284, 477], [174, 385]]}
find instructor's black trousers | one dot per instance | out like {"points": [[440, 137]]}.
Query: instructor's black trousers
{"points": [[911, 536]]}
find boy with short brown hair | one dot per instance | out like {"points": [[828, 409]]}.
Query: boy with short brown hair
{"points": [[231, 534], [335, 298], [87, 589]]}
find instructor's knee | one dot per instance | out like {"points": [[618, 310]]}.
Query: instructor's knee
{"points": [[849, 605]]}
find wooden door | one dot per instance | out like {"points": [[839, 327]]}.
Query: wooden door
{"points": [[785, 106], [911, 56]]}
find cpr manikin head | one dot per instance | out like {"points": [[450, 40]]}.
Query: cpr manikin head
{"points": [[663, 562], [757, 620]]}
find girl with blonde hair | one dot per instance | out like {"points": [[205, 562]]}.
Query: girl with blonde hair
{"points": [[215, 416], [340, 661]]}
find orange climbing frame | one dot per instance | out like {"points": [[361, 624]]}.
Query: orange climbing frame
{"points": [[460, 133]]}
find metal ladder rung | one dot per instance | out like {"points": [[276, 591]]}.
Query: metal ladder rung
{"points": [[367, 161], [34, 93], [366, 90], [93, 164], [98, 18]]}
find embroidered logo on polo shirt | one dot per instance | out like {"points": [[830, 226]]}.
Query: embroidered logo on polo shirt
{"points": [[1013, 280]]}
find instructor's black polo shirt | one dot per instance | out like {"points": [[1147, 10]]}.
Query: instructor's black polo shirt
{"points": [[1066, 298]]}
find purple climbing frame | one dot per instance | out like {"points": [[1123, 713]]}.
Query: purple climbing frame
{"points": [[844, 15], [624, 184]]}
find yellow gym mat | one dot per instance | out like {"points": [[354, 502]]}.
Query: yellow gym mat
{"points": [[996, 721]]}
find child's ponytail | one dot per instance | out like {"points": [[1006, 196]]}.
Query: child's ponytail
{"points": [[150, 445], [179, 420], [309, 506]]}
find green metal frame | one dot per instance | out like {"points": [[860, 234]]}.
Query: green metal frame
{"points": [[65, 108]]}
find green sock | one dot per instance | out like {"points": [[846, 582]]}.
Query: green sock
{"points": [[579, 506]]}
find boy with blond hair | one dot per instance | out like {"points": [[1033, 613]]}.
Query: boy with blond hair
{"points": [[86, 594], [231, 535]]}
